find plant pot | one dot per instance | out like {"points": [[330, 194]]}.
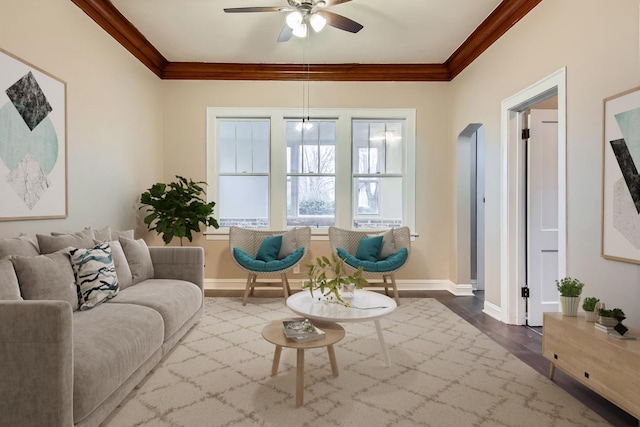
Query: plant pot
{"points": [[569, 306], [590, 316], [608, 321]]}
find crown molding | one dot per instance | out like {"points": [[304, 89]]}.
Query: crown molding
{"points": [[507, 14], [312, 72]]}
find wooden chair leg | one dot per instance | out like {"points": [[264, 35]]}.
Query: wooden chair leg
{"points": [[285, 286], [395, 289], [248, 287]]}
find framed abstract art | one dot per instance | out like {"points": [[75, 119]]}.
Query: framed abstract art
{"points": [[620, 178], [33, 142]]}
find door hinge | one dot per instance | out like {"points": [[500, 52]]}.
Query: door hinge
{"points": [[524, 292], [526, 133]]}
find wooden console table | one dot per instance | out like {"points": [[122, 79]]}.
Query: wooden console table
{"points": [[608, 365]]}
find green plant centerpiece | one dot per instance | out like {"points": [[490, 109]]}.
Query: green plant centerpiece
{"points": [[570, 290], [329, 275], [589, 307], [177, 209]]}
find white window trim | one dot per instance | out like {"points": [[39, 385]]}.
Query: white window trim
{"points": [[278, 179]]}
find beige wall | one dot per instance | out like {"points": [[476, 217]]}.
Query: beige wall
{"points": [[598, 43], [121, 118], [185, 125], [114, 126]]}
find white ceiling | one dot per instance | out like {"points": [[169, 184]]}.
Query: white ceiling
{"points": [[395, 31]]}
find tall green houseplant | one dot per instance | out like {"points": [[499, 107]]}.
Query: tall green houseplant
{"points": [[177, 209]]}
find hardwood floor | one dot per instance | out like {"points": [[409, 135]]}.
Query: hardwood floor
{"points": [[526, 344], [523, 342]]}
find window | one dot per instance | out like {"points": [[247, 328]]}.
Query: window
{"points": [[243, 170], [377, 173], [311, 173], [267, 168]]}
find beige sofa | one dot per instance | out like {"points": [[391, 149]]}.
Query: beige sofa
{"points": [[64, 366]]}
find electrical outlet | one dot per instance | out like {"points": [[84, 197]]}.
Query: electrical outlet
{"points": [[296, 269]]}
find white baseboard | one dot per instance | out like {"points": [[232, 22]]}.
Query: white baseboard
{"points": [[403, 285], [492, 310], [461, 289]]}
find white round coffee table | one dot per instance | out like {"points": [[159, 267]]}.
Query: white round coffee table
{"points": [[366, 306]]}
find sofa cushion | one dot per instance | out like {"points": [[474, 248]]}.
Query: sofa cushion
{"points": [[46, 277], [21, 245], [102, 234], [288, 245], [369, 248], [50, 244], [391, 263], [9, 289], [117, 234], [252, 264], [176, 300], [122, 266], [95, 275], [109, 343], [139, 259]]}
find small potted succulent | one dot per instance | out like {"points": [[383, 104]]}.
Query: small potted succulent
{"points": [[589, 307], [570, 290], [611, 317]]}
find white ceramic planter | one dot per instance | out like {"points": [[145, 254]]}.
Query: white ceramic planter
{"points": [[569, 306], [590, 316]]}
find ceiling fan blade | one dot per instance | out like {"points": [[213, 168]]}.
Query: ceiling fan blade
{"points": [[334, 2], [339, 21], [285, 34], [255, 9]]}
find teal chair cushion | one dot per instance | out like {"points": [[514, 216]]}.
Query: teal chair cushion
{"points": [[369, 248], [259, 266], [391, 263], [269, 248]]}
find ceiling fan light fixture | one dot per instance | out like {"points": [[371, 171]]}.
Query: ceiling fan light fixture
{"points": [[300, 30], [317, 22], [294, 19]]}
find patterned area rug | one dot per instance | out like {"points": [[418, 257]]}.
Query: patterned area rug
{"points": [[444, 372]]}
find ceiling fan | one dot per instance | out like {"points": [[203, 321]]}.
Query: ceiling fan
{"points": [[305, 13]]}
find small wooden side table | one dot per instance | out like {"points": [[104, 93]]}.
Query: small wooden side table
{"points": [[274, 334]]}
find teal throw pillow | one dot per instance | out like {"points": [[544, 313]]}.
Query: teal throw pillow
{"points": [[369, 248], [269, 249]]}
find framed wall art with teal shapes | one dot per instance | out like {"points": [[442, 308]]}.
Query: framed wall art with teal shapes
{"points": [[33, 142], [620, 178]]}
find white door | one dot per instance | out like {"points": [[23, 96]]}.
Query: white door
{"points": [[542, 213]]}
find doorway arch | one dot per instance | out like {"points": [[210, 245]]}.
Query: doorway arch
{"points": [[470, 209]]}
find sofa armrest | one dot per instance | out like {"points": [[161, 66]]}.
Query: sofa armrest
{"points": [[178, 262], [36, 363]]}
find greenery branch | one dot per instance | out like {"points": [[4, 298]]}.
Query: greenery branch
{"points": [[328, 275]]}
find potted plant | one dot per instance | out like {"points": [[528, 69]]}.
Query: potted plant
{"points": [[589, 307], [611, 317], [177, 209], [570, 290], [330, 277]]}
